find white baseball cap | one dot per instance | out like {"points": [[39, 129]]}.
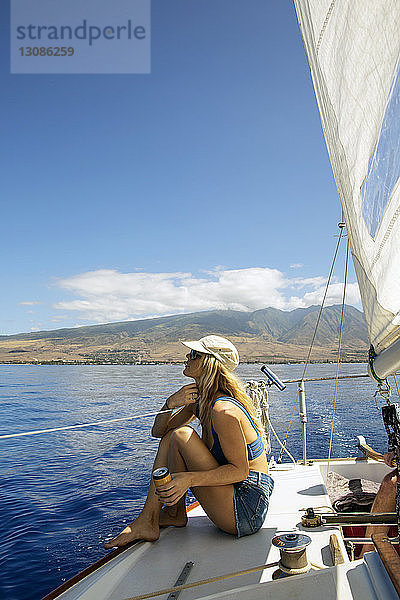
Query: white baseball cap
{"points": [[221, 348]]}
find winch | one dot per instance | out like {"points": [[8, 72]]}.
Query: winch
{"points": [[292, 547]]}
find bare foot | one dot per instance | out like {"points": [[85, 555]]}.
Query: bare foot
{"points": [[140, 529], [173, 516]]}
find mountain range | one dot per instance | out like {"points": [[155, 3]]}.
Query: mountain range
{"points": [[268, 334]]}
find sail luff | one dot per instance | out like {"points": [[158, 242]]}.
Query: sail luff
{"points": [[353, 50]]}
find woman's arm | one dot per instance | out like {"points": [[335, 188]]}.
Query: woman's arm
{"points": [[185, 398]]}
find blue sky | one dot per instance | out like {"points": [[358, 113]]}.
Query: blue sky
{"points": [[205, 184]]}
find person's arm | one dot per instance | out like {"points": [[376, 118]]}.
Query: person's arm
{"points": [[233, 443], [185, 399]]}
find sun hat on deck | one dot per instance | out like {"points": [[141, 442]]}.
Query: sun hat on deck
{"points": [[221, 348]]}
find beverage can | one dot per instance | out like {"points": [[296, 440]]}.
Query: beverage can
{"points": [[161, 476]]}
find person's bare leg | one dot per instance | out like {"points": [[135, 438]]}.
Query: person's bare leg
{"points": [[385, 501], [217, 501], [174, 515], [145, 526]]}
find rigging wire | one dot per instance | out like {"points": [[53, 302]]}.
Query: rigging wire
{"points": [[339, 351], [353, 376], [341, 226], [51, 430], [323, 300]]}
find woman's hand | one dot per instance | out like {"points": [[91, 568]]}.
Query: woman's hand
{"points": [[188, 394], [171, 492]]}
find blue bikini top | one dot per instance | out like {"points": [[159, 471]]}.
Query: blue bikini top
{"points": [[254, 449]]}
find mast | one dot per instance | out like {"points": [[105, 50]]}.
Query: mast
{"points": [[353, 49]]}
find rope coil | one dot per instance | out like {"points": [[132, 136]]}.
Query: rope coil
{"points": [[258, 393]]}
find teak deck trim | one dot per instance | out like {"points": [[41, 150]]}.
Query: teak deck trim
{"points": [[389, 557]]}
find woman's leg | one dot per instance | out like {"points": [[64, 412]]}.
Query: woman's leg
{"points": [[183, 450], [145, 526], [188, 452], [174, 515]]}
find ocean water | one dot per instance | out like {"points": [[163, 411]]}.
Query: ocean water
{"points": [[63, 493]]}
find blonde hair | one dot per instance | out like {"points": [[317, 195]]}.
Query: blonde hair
{"points": [[216, 378]]}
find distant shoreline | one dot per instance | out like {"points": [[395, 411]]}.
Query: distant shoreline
{"points": [[168, 362]]}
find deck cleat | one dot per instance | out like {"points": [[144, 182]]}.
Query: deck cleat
{"points": [[311, 519], [292, 547]]}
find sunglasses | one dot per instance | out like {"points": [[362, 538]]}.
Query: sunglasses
{"points": [[194, 354]]}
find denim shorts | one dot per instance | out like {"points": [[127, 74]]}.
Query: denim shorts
{"points": [[251, 500]]}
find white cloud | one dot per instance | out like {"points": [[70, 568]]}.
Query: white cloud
{"points": [[334, 296], [28, 303], [108, 295], [302, 282], [296, 265]]}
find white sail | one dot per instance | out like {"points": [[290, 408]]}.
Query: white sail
{"points": [[353, 48]]}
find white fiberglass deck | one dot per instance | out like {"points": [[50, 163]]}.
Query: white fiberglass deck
{"points": [[147, 567]]}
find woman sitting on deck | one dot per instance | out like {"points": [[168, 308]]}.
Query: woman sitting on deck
{"points": [[226, 469]]}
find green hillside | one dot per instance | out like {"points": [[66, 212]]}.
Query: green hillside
{"points": [[263, 334]]}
